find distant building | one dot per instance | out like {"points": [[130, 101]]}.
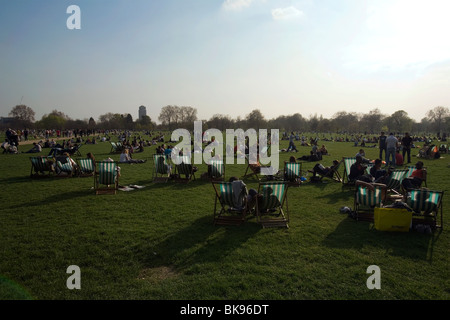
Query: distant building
{"points": [[6, 120], [142, 112]]}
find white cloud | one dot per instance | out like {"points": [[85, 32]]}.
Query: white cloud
{"points": [[286, 13], [236, 4]]}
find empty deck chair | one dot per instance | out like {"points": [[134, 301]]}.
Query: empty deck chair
{"points": [[272, 197], [86, 167], [106, 178], [230, 204], [427, 207], [394, 184]]}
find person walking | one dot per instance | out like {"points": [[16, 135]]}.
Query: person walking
{"points": [[382, 145]]}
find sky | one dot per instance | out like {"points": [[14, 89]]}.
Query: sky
{"points": [[313, 57]]}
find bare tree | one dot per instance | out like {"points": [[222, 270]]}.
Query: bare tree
{"points": [[22, 112]]}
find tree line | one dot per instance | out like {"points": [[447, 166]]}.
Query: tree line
{"points": [[437, 121]]}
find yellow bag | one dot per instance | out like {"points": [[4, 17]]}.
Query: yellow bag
{"points": [[392, 219]]}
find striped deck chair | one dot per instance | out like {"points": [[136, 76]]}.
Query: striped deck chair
{"points": [[410, 171], [272, 196], [216, 170], [86, 166], [427, 207], [65, 167], [106, 178], [161, 169], [333, 174], [292, 173], [186, 169], [366, 200], [251, 170], [229, 213], [394, 184], [41, 166], [348, 162]]}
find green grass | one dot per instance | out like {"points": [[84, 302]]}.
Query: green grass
{"points": [[159, 242]]}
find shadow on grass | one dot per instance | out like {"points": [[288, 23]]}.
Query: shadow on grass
{"points": [[53, 199], [351, 234], [198, 243]]}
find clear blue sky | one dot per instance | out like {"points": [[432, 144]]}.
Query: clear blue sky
{"points": [[225, 56]]}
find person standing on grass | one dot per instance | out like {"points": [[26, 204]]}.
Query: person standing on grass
{"points": [[406, 143], [382, 144], [391, 148]]}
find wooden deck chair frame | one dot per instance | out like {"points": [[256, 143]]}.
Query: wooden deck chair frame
{"points": [[106, 178], [272, 197], [366, 199], [86, 166], [427, 207], [348, 162], [216, 170], [160, 171], [225, 212], [250, 171], [292, 173], [40, 167], [185, 168]]}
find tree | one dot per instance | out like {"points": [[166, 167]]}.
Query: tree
{"points": [[399, 122], [438, 115], [22, 112], [255, 119]]}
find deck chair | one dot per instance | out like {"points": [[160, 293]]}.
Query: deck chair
{"points": [[427, 207], [186, 169], [410, 170], [216, 170], [116, 147], [86, 166], [106, 178], [333, 174], [292, 173], [366, 199], [272, 196], [229, 208], [251, 170], [41, 166], [161, 170], [348, 162], [64, 167]]}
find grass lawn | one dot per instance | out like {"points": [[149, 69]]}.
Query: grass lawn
{"points": [[159, 242]]}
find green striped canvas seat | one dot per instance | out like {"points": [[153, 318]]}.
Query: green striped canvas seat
{"points": [[217, 169], [227, 214], [369, 166], [86, 166], [365, 202], [65, 167], [427, 203], [348, 162], [292, 172], [106, 175], [40, 166], [185, 168], [273, 196], [394, 181], [161, 170]]}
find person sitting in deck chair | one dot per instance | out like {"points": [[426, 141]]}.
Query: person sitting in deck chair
{"points": [[417, 177], [322, 170]]}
